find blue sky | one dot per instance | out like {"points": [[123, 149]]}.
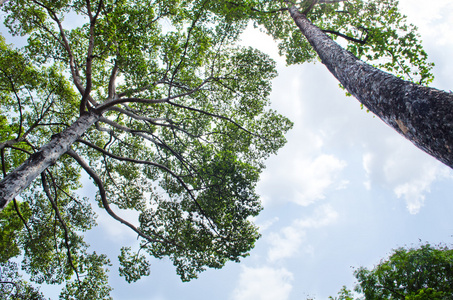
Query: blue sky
{"points": [[342, 193]]}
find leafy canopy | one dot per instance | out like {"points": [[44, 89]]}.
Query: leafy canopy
{"points": [[181, 138], [419, 273]]}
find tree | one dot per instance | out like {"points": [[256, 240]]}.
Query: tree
{"points": [[425, 272], [373, 30], [13, 287], [163, 110]]}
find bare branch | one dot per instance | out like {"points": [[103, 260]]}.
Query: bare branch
{"points": [[348, 37]]}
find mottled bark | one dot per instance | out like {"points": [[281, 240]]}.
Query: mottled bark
{"points": [[17, 180], [421, 114]]}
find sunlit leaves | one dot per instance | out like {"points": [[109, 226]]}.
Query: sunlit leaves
{"points": [[14, 287], [11, 224], [94, 284], [133, 266], [421, 273], [373, 30], [416, 273]]}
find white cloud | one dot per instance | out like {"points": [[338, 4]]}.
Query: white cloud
{"points": [[263, 283], [315, 177], [397, 165], [301, 173], [287, 242], [433, 18], [267, 224]]}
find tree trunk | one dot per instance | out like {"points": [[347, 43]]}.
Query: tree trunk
{"points": [[421, 114], [16, 181]]}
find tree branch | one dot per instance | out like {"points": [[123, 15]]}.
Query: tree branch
{"points": [[363, 42], [109, 104], [63, 224], [89, 56], [162, 167], [106, 205]]}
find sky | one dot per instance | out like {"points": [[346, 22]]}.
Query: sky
{"points": [[344, 191]]}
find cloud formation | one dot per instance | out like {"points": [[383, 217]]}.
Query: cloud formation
{"points": [[287, 242], [264, 283]]}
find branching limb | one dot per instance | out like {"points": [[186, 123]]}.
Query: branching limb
{"points": [[106, 205], [72, 62], [260, 11], [162, 167], [89, 56], [63, 224], [213, 115], [109, 104], [348, 37]]}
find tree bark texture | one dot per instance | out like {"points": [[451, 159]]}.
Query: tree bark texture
{"points": [[20, 178], [421, 114]]}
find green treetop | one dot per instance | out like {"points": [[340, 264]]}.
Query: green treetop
{"points": [[165, 112]]}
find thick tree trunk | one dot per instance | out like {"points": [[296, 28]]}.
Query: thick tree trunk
{"points": [[16, 181], [421, 114]]}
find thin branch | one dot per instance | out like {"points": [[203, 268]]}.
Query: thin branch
{"points": [[63, 224], [214, 115], [106, 205], [310, 7], [72, 64], [109, 104], [89, 57], [362, 41], [260, 11], [162, 167]]}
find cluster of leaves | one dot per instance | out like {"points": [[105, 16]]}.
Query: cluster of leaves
{"points": [[419, 273], [12, 286]]}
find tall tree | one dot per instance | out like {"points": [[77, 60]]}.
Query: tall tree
{"points": [[373, 30], [159, 106]]}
